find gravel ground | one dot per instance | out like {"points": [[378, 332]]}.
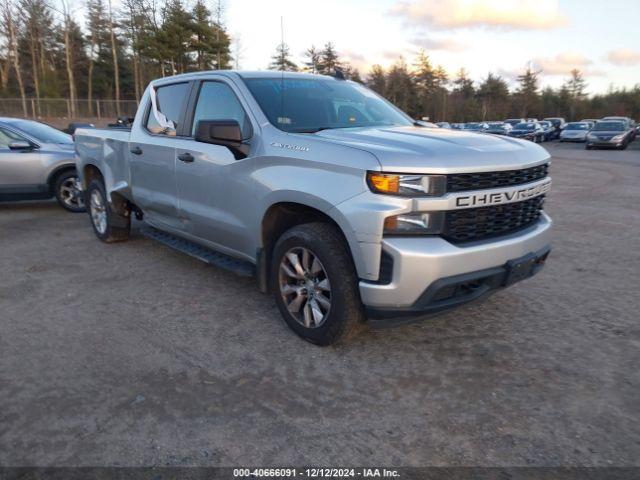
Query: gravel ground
{"points": [[133, 354]]}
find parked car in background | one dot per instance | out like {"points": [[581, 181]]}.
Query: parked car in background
{"points": [[529, 131], [559, 124], [514, 121], [592, 121], [531, 120], [499, 128], [37, 162], [476, 126], [73, 126], [631, 124], [457, 126], [610, 134], [549, 130], [575, 132], [444, 125], [424, 123]]}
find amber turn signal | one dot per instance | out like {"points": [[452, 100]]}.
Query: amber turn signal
{"points": [[384, 183]]}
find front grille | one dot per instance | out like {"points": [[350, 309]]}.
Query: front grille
{"points": [[460, 182], [479, 223]]}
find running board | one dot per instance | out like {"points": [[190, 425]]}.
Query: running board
{"points": [[207, 255]]}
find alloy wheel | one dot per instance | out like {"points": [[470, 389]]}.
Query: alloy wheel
{"points": [[70, 193], [98, 212], [305, 287]]}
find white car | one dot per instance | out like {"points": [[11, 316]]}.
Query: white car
{"points": [[575, 132]]}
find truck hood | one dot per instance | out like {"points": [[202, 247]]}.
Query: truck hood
{"points": [[430, 150]]}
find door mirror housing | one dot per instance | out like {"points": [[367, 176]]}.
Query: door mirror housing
{"points": [[20, 145], [223, 132]]}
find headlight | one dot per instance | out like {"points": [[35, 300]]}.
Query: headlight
{"points": [[618, 138], [592, 137], [414, 224], [407, 185]]}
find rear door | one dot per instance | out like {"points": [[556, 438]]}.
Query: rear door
{"points": [[211, 199], [152, 154], [20, 170]]}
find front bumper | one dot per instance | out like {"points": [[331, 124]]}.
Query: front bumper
{"points": [[420, 263], [605, 143]]}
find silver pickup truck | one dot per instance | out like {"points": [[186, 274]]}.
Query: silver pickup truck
{"points": [[339, 203]]}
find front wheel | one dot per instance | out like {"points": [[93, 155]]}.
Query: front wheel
{"points": [[315, 284], [108, 225], [66, 188]]}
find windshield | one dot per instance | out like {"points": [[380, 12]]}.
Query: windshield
{"points": [[525, 126], [609, 127], [496, 125], [40, 131], [473, 126], [545, 124], [311, 105], [577, 126]]}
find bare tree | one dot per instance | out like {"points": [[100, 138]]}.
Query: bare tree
{"points": [[9, 25], [33, 11], [218, 12], [5, 65], [237, 51], [114, 53], [65, 11]]}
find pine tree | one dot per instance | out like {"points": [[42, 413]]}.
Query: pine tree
{"points": [[493, 93], [210, 42], [329, 60], [281, 60], [400, 88], [576, 89], [313, 60], [464, 97], [97, 24], [179, 29], [527, 93], [377, 80]]}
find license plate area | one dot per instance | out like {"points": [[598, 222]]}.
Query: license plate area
{"points": [[524, 267]]}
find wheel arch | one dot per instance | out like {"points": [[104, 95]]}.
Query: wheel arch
{"points": [[283, 215], [117, 202], [53, 175]]}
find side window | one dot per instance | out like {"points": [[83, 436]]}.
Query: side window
{"points": [[217, 101], [170, 100], [7, 137]]}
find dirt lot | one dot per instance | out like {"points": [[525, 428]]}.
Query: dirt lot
{"points": [[133, 354]]}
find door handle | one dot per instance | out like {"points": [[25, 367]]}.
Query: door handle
{"points": [[136, 150], [186, 157]]}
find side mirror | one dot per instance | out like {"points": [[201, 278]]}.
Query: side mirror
{"points": [[223, 132], [20, 145]]}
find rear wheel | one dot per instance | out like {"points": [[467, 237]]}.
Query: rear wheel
{"points": [[108, 225], [315, 284], [66, 188]]}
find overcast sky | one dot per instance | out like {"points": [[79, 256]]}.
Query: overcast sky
{"points": [[602, 38]]}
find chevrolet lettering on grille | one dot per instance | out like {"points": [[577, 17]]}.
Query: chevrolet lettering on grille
{"points": [[506, 196]]}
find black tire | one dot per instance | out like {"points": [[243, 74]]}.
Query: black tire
{"points": [[345, 313], [624, 146], [66, 191], [116, 227], [588, 147]]}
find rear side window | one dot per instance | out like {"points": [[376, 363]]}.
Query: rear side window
{"points": [[7, 137], [171, 100], [217, 101]]}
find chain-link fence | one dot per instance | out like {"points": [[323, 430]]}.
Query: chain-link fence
{"points": [[64, 108]]}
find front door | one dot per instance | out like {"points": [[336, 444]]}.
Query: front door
{"points": [[152, 154], [20, 170], [207, 174]]}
